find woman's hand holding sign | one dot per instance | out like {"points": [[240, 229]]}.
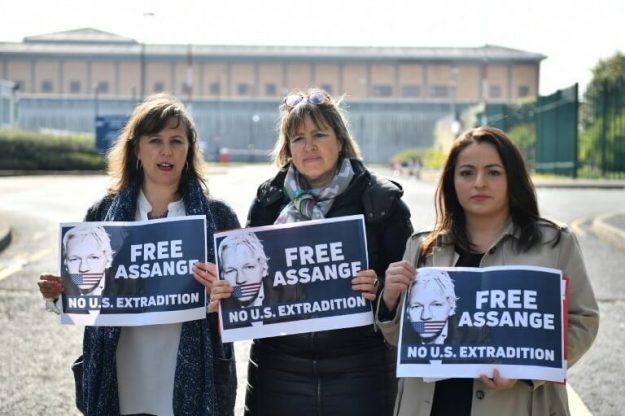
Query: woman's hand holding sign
{"points": [[206, 274], [50, 286], [366, 281], [398, 278], [497, 382]]}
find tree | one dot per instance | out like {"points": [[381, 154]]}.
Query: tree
{"points": [[608, 76], [611, 70], [602, 140]]}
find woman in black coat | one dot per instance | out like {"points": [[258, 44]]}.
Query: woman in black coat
{"points": [[346, 371]]}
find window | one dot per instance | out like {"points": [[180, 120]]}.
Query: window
{"points": [[46, 85], [74, 87], [214, 88], [494, 91], [244, 89], [523, 91], [270, 89], [438, 91], [410, 91], [159, 86], [382, 91], [103, 87], [327, 88]]}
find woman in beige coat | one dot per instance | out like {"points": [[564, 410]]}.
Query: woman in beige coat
{"points": [[487, 215]]}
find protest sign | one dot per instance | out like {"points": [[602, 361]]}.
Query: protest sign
{"points": [[464, 322], [132, 273], [292, 278]]}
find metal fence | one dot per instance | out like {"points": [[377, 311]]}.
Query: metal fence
{"points": [[559, 135], [602, 139], [556, 133], [248, 127], [519, 121]]}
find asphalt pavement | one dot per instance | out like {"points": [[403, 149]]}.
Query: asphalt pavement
{"points": [[608, 227]]}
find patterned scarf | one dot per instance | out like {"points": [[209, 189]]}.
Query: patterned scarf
{"points": [[312, 204], [194, 386]]}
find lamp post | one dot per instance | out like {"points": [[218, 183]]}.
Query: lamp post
{"points": [[142, 63], [453, 81], [142, 73], [15, 104], [252, 145], [96, 99]]}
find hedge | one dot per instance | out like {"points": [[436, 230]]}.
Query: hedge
{"points": [[27, 150]]}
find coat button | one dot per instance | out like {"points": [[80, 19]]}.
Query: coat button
{"points": [[491, 251], [479, 394]]}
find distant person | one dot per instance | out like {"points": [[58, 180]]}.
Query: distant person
{"points": [[487, 215], [243, 263], [415, 167], [179, 368]]}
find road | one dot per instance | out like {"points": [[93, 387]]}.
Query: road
{"points": [[37, 351]]}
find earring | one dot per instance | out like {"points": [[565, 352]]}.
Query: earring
{"points": [[138, 166], [186, 166]]}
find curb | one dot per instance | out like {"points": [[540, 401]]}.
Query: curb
{"points": [[601, 228], [580, 185], [5, 235]]}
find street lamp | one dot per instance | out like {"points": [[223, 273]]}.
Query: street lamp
{"points": [[96, 98], [251, 146], [15, 103], [453, 81], [142, 74], [143, 61]]}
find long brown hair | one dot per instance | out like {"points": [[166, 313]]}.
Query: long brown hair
{"points": [[450, 218], [149, 117]]}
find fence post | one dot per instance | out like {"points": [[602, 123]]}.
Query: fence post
{"points": [[576, 131], [604, 125]]}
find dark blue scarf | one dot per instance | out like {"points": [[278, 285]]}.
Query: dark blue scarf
{"points": [[194, 388]]}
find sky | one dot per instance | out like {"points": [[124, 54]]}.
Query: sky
{"points": [[573, 34]]}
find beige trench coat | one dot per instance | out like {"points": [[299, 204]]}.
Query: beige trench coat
{"points": [[415, 397]]}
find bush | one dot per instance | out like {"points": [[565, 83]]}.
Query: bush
{"points": [[431, 158], [26, 150], [524, 136]]}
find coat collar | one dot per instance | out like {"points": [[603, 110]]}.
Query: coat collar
{"points": [[272, 190], [445, 254]]}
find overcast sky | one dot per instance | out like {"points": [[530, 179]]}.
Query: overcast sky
{"points": [[573, 34]]}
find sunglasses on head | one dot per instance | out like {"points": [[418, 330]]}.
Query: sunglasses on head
{"points": [[315, 98]]}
